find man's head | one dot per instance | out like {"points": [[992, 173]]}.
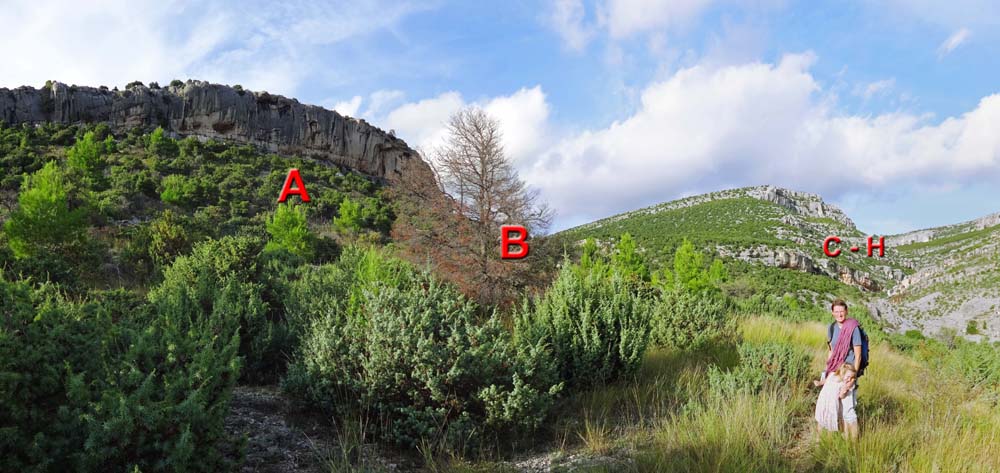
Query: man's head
{"points": [[839, 309]]}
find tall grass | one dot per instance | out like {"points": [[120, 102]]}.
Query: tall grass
{"points": [[735, 434], [913, 417]]}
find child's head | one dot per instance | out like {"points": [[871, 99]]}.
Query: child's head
{"points": [[846, 372]]}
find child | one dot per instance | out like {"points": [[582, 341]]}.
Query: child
{"points": [[835, 388]]}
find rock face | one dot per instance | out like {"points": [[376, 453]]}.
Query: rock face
{"points": [[799, 261], [920, 236], [204, 110], [803, 203]]}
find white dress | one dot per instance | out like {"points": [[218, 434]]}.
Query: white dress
{"points": [[828, 403]]}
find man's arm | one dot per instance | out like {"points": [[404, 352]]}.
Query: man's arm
{"points": [[856, 341], [857, 357]]}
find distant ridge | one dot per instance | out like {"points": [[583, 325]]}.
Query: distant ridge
{"points": [[201, 109]]}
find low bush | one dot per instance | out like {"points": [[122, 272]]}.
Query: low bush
{"points": [[770, 365], [222, 278], [595, 320], [399, 347], [687, 320], [112, 385]]}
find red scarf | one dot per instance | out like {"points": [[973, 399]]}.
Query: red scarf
{"points": [[842, 346]]}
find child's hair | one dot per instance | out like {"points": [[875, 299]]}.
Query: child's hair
{"points": [[844, 368]]}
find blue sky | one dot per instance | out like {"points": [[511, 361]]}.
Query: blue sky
{"points": [[883, 107]]}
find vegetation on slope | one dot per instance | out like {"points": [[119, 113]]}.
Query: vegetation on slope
{"points": [[121, 341]]}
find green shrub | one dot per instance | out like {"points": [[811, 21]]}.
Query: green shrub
{"points": [[47, 356], [168, 238], [399, 347], [85, 156], [687, 320], [289, 231], [771, 365], [43, 221], [626, 257], [222, 278], [348, 216], [978, 364], [596, 321], [179, 190], [109, 386], [971, 328], [162, 145], [164, 407]]}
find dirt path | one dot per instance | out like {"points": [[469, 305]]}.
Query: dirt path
{"points": [[276, 443]]}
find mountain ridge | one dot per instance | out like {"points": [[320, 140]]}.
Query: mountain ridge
{"points": [[214, 111], [929, 279]]}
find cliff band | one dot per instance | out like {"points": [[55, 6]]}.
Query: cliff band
{"points": [[197, 108]]}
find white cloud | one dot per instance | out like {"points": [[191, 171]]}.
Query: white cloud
{"points": [[422, 124], [624, 18], [873, 89], [953, 41], [706, 128], [566, 18], [381, 99], [523, 118], [261, 45], [349, 107]]}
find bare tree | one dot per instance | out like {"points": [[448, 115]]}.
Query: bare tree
{"points": [[478, 183]]}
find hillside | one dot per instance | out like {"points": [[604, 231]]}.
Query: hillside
{"points": [[212, 111], [162, 312], [957, 279], [944, 277]]}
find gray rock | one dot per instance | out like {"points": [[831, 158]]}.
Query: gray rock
{"points": [[200, 109]]}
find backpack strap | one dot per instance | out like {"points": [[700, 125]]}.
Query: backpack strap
{"points": [[829, 334]]}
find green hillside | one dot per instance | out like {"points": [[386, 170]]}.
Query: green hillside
{"points": [[957, 284], [159, 311], [752, 235], [146, 198]]}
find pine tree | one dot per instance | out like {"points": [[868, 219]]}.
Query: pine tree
{"points": [[289, 231], [43, 221]]}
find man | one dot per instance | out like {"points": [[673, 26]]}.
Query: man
{"points": [[849, 353]]}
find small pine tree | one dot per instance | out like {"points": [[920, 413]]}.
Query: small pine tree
{"points": [[289, 231], [349, 218], [85, 155], [43, 221], [588, 253], [717, 273], [162, 145], [627, 258], [689, 267]]}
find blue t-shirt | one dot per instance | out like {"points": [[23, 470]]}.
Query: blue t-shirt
{"points": [[855, 342]]}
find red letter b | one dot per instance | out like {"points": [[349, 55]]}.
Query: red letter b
{"points": [[506, 241]]}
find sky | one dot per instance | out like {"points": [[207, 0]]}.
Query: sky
{"points": [[889, 109]]}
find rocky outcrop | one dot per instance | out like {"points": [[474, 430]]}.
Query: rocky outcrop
{"points": [[802, 203], [204, 110], [795, 260], [920, 236]]}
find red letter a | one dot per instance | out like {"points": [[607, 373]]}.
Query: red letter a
{"points": [[506, 241], [300, 187]]}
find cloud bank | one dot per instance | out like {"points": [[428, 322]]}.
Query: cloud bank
{"points": [[705, 128]]}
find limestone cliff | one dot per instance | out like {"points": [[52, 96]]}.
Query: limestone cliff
{"points": [[204, 110]]}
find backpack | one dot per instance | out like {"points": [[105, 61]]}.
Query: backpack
{"points": [[864, 346]]}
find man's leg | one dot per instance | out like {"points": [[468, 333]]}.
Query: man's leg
{"points": [[849, 403]]}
